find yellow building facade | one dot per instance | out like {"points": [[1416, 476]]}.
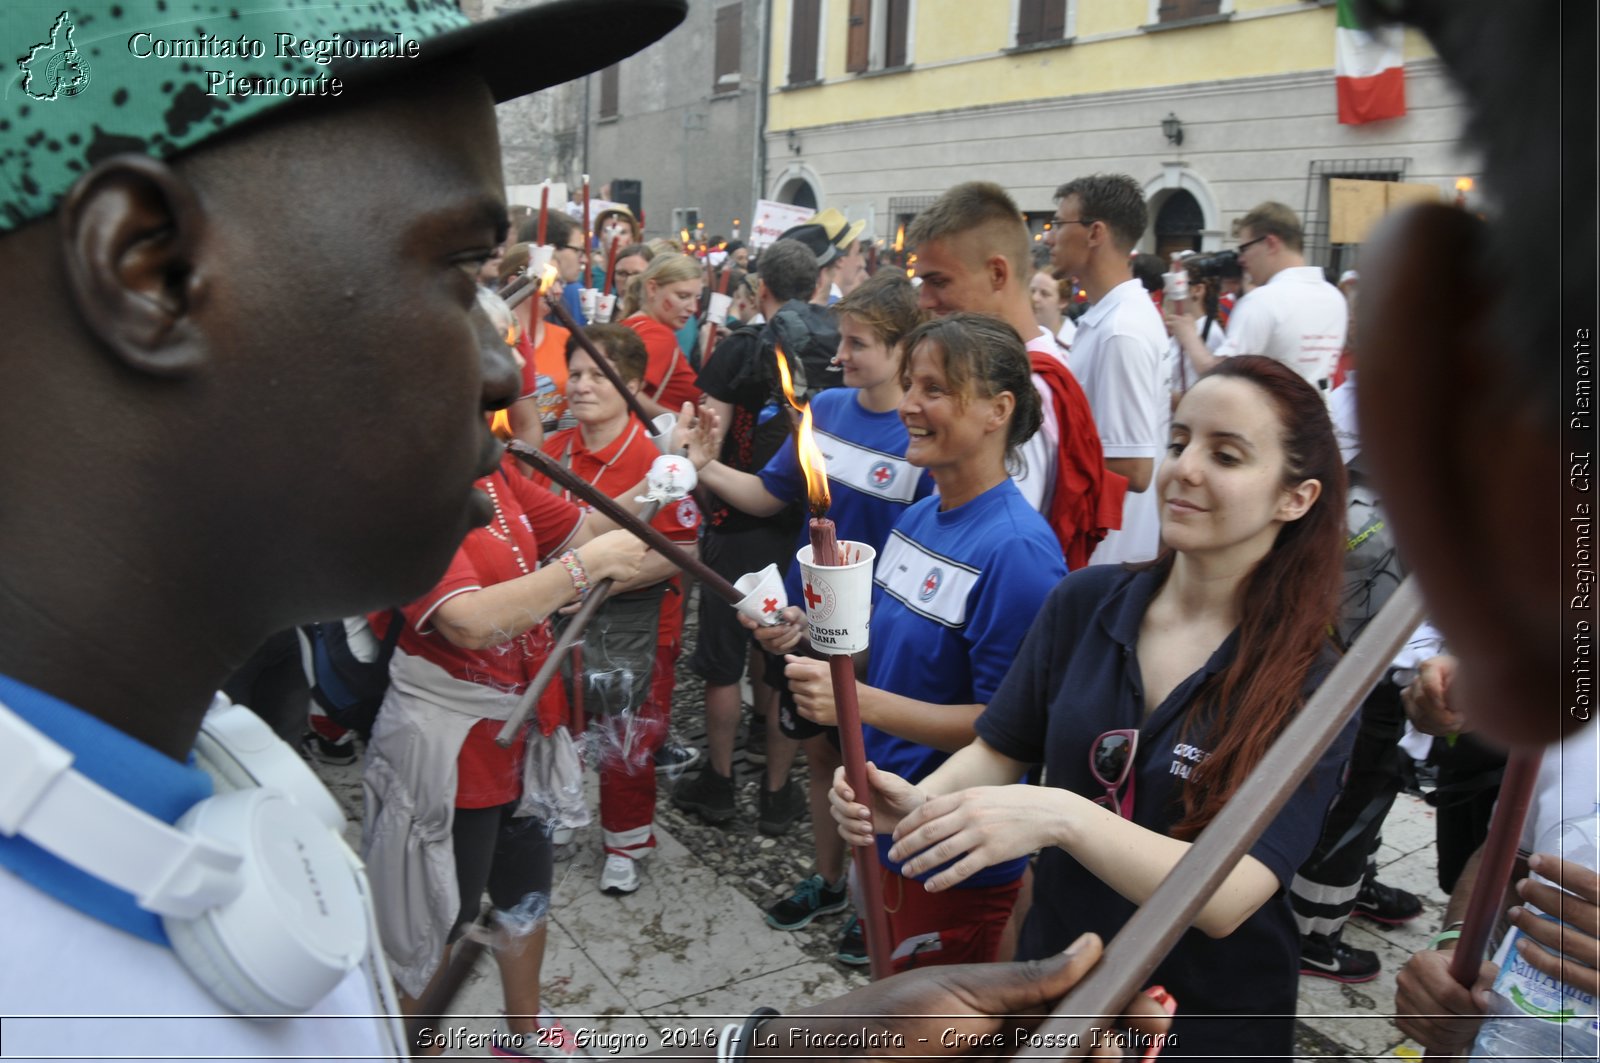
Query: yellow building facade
{"points": [[876, 106]]}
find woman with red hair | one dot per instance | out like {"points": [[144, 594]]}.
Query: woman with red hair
{"points": [[1149, 693]]}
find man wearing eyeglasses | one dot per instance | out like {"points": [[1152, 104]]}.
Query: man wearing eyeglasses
{"points": [[1120, 346], [1292, 314], [566, 236]]}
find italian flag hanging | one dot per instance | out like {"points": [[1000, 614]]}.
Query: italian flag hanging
{"points": [[1368, 68]]}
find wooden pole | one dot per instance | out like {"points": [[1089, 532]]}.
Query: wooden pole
{"points": [[1494, 868], [564, 317], [549, 467], [558, 652], [842, 671]]}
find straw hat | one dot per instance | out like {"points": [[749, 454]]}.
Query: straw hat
{"points": [[842, 232]]}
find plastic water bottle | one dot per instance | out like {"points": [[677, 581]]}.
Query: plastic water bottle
{"points": [[1531, 1015]]}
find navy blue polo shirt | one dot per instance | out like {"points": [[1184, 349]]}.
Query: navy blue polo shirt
{"points": [[1077, 676]]}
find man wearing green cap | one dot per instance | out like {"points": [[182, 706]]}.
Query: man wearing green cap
{"points": [[245, 383]]}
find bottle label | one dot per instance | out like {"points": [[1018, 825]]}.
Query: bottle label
{"points": [[1538, 995]]}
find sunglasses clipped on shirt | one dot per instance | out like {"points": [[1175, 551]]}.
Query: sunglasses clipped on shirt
{"points": [[1111, 764]]}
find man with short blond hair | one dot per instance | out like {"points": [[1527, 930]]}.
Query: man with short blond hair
{"points": [[973, 254]]}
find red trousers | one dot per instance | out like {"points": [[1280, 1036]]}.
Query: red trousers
{"points": [[936, 929], [627, 746]]}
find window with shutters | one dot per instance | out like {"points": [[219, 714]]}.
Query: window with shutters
{"points": [[858, 40], [1041, 22], [878, 37], [805, 31], [608, 91], [1183, 10], [725, 67]]}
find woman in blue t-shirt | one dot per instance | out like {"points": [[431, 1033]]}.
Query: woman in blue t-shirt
{"points": [[1149, 693], [858, 428], [955, 587]]}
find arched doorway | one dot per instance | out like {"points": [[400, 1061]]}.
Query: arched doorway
{"points": [[799, 193], [1179, 224]]}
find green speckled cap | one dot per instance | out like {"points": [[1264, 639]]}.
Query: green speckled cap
{"points": [[82, 81]]}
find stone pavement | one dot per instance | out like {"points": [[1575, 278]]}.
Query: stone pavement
{"points": [[691, 946]]}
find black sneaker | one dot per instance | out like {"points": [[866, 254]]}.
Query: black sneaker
{"points": [[1325, 957], [812, 897], [707, 794], [755, 741], [778, 810], [1389, 905], [852, 951], [674, 757], [320, 749]]}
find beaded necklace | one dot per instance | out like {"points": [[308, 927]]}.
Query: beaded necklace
{"points": [[504, 534]]}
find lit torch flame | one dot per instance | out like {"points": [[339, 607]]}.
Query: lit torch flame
{"points": [[900, 239], [812, 463], [1463, 184], [501, 424], [548, 277]]}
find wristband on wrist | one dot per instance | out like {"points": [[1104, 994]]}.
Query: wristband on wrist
{"points": [[575, 572], [734, 1044], [1449, 933]]}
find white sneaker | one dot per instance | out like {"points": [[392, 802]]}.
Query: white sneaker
{"points": [[620, 875]]}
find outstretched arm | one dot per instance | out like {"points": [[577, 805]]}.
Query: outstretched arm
{"points": [[986, 825]]}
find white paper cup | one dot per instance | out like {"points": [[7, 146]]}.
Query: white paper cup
{"points": [[607, 307], [838, 599], [720, 305], [538, 258], [589, 300], [664, 425], [764, 597]]}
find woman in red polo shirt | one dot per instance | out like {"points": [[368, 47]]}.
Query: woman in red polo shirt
{"points": [[631, 649], [658, 303], [449, 812]]}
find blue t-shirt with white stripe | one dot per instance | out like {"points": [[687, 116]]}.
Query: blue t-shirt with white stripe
{"points": [[953, 595], [869, 480]]}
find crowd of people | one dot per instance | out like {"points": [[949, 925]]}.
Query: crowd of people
{"points": [[1115, 522], [1119, 544]]}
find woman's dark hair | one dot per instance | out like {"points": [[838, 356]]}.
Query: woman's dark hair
{"points": [[1212, 301], [620, 344], [982, 357], [1287, 604]]}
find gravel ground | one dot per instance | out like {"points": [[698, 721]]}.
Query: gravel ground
{"points": [[764, 869]]}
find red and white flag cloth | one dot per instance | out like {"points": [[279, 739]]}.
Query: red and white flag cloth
{"points": [[1369, 68]]}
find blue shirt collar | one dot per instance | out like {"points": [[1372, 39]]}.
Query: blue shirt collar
{"points": [[1120, 616], [138, 774]]}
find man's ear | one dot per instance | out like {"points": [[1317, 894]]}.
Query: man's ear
{"points": [[130, 228], [1464, 465], [999, 269]]}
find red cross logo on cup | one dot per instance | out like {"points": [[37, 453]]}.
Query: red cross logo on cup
{"points": [[813, 599], [769, 604]]}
